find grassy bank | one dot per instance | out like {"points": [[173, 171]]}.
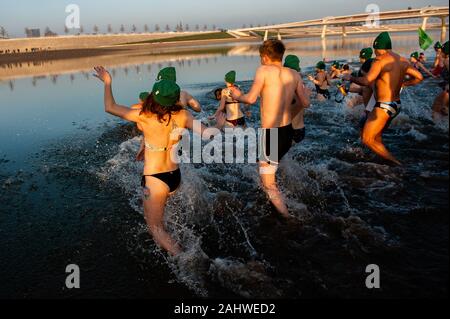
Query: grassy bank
{"points": [[195, 37]]}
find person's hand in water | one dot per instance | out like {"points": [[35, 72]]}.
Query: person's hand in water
{"points": [[103, 75], [310, 77]]}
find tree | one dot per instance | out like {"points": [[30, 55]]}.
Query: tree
{"points": [[133, 28], [157, 28], [205, 27], [110, 29], [95, 29], [187, 27], [122, 28], [3, 32], [197, 27], [81, 29], [146, 29], [214, 27], [66, 30], [168, 28]]}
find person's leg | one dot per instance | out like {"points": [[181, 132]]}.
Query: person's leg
{"points": [[268, 180], [373, 131], [156, 194]]}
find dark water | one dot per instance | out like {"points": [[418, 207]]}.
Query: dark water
{"points": [[69, 194]]}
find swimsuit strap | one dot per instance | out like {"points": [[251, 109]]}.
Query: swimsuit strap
{"points": [[154, 149]]}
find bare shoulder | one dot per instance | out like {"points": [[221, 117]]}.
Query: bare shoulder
{"points": [[182, 117]]}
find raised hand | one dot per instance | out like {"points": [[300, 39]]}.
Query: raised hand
{"points": [[103, 75]]}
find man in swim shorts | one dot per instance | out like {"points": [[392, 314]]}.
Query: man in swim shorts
{"points": [[277, 86], [298, 111], [387, 75], [321, 81]]}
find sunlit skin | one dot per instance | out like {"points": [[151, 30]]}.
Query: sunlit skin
{"points": [[232, 111], [186, 101], [440, 57], [298, 113], [387, 75], [157, 192], [322, 79], [334, 72], [441, 103], [277, 86]]}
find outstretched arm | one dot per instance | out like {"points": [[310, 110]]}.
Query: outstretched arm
{"points": [[252, 96], [424, 69], [415, 76], [193, 103], [111, 106]]}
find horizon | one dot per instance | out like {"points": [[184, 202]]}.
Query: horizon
{"points": [[52, 15]]}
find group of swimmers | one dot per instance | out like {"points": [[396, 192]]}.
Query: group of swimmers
{"points": [[283, 100]]}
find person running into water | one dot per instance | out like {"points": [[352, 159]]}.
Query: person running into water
{"points": [[298, 110], [438, 66], [441, 103], [232, 108], [335, 70], [365, 55], [387, 75], [277, 86], [321, 81], [162, 120], [415, 61], [186, 101]]}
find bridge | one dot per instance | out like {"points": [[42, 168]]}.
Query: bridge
{"points": [[372, 22]]}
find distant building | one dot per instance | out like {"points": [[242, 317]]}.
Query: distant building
{"points": [[33, 33]]}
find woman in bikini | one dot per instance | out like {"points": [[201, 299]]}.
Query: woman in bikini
{"points": [[234, 115], [162, 122]]}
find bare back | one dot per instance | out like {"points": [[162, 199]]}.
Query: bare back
{"points": [[161, 135], [392, 75], [278, 92]]}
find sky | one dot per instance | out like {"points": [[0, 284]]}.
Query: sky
{"points": [[16, 15]]}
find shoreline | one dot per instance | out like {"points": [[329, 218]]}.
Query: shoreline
{"points": [[151, 48]]}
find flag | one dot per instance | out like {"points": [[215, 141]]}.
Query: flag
{"points": [[425, 41]]}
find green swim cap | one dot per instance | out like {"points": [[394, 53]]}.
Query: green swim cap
{"points": [[321, 65], [445, 48], [383, 42], [143, 96], [230, 77], [169, 74], [438, 45], [292, 62], [415, 55], [166, 93], [366, 53], [336, 64]]}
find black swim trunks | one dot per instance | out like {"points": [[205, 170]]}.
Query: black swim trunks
{"points": [[275, 143], [171, 179], [325, 93], [392, 109], [299, 135]]}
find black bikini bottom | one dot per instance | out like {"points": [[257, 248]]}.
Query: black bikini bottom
{"points": [[171, 179]]}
